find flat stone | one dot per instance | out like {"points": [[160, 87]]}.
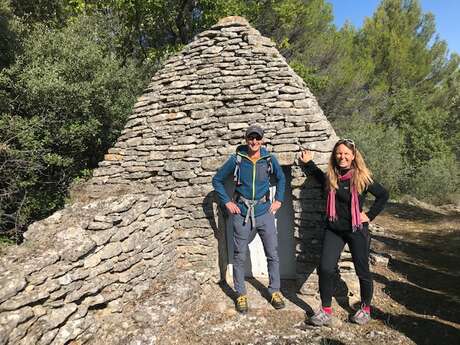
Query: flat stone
{"points": [[126, 264], [132, 273], [58, 316], [92, 261], [102, 237], [379, 260], [213, 163], [99, 226], [138, 209], [184, 175], [75, 250], [9, 320], [23, 300], [122, 206], [286, 147], [113, 157], [286, 158], [10, 286], [70, 331], [110, 250]]}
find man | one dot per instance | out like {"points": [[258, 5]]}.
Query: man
{"points": [[251, 167]]}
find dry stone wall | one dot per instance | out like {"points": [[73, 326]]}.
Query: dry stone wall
{"points": [[83, 259]]}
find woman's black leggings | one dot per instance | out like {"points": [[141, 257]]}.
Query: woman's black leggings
{"points": [[359, 244]]}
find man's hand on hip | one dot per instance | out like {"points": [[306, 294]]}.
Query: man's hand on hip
{"points": [[232, 208], [275, 206]]}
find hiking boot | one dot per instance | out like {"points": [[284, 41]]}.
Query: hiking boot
{"points": [[277, 300], [361, 317], [321, 318], [242, 304]]}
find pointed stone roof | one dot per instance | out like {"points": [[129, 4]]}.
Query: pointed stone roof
{"points": [[195, 109]]}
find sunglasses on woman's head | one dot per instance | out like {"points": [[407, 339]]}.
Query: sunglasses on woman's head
{"points": [[346, 141]]}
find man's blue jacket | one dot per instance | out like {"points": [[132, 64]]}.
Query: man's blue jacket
{"points": [[254, 179]]}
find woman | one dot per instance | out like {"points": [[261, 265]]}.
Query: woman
{"points": [[347, 181]]}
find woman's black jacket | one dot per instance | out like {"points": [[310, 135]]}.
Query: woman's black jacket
{"points": [[343, 198]]}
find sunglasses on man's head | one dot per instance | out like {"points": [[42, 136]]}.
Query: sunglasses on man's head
{"points": [[254, 136]]}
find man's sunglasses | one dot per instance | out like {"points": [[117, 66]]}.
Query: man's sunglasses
{"points": [[254, 136]]}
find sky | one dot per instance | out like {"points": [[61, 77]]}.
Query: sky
{"points": [[446, 13]]}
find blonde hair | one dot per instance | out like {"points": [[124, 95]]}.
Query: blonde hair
{"points": [[362, 176]]}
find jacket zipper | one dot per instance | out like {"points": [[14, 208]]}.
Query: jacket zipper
{"points": [[254, 178], [254, 164]]}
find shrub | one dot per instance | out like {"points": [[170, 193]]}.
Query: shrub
{"points": [[63, 104], [437, 181]]}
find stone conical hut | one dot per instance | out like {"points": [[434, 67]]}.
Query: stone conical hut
{"points": [[193, 115], [149, 209]]}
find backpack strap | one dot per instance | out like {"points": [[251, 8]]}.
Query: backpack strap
{"points": [[236, 172], [270, 165]]}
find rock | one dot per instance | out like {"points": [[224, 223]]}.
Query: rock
{"points": [[23, 300], [110, 250], [213, 163], [375, 228], [70, 331], [10, 286], [74, 250], [58, 316], [378, 260]]}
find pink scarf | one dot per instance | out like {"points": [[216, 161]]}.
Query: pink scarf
{"points": [[355, 212]]}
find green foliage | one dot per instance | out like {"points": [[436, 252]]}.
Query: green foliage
{"points": [[447, 98], [10, 29], [54, 12], [150, 30], [297, 26], [398, 40], [5, 240], [437, 180], [422, 127], [316, 83], [64, 103]]}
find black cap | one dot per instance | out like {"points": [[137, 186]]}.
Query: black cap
{"points": [[254, 129]]}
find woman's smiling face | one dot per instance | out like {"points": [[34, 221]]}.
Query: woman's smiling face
{"points": [[344, 157]]}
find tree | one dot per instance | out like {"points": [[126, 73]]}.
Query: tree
{"points": [[150, 30], [64, 102], [410, 87], [53, 12], [10, 30], [405, 51]]}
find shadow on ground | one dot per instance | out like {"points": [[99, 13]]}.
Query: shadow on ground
{"points": [[288, 289], [439, 252], [420, 330], [414, 213], [421, 300]]}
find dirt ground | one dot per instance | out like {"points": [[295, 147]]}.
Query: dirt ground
{"points": [[416, 298], [422, 283]]}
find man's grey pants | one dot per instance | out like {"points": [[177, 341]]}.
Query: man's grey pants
{"points": [[265, 227]]}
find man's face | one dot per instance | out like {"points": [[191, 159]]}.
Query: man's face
{"points": [[254, 142]]}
